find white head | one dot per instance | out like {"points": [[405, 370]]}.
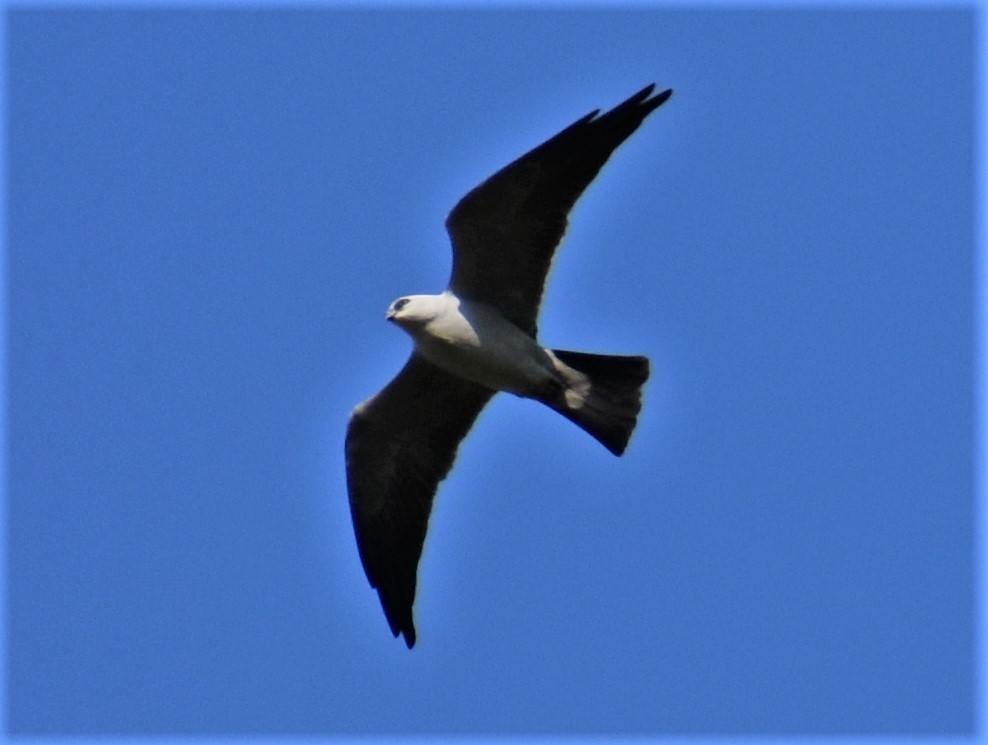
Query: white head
{"points": [[415, 311]]}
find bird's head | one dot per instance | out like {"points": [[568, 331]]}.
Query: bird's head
{"points": [[414, 311]]}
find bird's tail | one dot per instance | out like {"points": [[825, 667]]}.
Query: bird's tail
{"points": [[601, 394]]}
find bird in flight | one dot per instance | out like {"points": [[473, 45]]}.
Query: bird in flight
{"points": [[477, 338]]}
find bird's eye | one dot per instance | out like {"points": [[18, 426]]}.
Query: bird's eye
{"points": [[399, 304]]}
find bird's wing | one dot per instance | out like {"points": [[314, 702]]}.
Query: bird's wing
{"points": [[399, 445], [505, 231]]}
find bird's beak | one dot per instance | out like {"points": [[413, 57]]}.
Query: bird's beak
{"points": [[390, 315]]}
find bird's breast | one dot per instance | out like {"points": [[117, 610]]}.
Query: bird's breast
{"points": [[474, 341]]}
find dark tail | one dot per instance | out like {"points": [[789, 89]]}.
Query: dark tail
{"points": [[602, 394]]}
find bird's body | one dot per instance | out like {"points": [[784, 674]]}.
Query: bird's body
{"points": [[477, 338], [474, 341]]}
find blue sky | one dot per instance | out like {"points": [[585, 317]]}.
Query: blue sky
{"points": [[208, 213]]}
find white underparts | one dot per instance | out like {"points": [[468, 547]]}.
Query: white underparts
{"points": [[474, 341]]}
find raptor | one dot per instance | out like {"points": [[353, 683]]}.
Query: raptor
{"points": [[479, 337]]}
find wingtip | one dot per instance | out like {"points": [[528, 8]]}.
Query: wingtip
{"points": [[401, 624], [645, 92], [408, 634], [663, 96], [643, 100], [648, 105], [644, 96]]}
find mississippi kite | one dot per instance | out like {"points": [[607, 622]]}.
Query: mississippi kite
{"points": [[479, 337]]}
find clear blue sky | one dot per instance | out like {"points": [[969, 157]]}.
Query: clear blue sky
{"points": [[208, 214]]}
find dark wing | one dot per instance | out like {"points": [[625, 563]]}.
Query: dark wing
{"points": [[506, 230], [399, 445]]}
